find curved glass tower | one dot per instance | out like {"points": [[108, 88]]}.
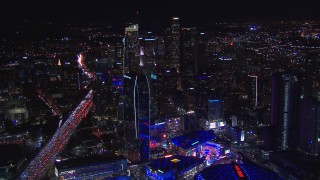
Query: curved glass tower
{"points": [[142, 115]]}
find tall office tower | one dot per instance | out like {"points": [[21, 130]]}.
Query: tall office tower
{"points": [[117, 58], [101, 86], [215, 114], [203, 78], [130, 67], [160, 51], [309, 120], [309, 126], [137, 117], [167, 88], [173, 44], [131, 55], [202, 63], [253, 90], [100, 96], [115, 79], [189, 57], [201, 98], [284, 108], [142, 115], [148, 57], [127, 115], [193, 70]]}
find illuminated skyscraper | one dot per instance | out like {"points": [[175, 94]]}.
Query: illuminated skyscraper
{"points": [[137, 118], [188, 58], [215, 110], [117, 53], [173, 44], [284, 110], [131, 58], [138, 66], [215, 114], [142, 115], [160, 51], [148, 55], [148, 66], [253, 91], [127, 115], [202, 63]]}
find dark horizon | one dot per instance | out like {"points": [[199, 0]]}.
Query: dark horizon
{"points": [[193, 13]]}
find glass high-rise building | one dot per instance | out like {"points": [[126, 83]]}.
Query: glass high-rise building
{"points": [[215, 113], [137, 117], [309, 126], [148, 55], [173, 44], [142, 115], [188, 58], [148, 66], [136, 96], [284, 110], [131, 58]]}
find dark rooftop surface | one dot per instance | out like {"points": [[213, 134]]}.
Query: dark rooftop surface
{"points": [[249, 169], [86, 161], [193, 138], [86, 135], [221, 171], [9, 154], [179, 163], [297, 163], [119, 178]]}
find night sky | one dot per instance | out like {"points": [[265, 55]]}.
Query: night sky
{"points": [[190, 11]]}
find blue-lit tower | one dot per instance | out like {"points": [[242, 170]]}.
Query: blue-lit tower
{"points": [[284, 109], [215, 113], [215, 109], [142, 115], [137, 117]]}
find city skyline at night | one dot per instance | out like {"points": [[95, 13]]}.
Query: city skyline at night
{"points": [[159, 90]]}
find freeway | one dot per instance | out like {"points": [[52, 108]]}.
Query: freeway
{"points": [[84, 68], [37, 167]]}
